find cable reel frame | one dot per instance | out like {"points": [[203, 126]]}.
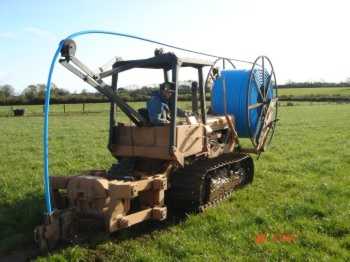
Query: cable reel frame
{"points": [[263, 79]]}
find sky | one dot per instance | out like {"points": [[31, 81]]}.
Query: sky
{"points": [[306, 40]]}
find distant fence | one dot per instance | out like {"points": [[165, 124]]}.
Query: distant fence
{"points": [[94, 108], [58, 109]]}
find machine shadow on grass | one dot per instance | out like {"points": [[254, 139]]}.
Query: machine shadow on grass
{"points": [[17, 220], [17, 225], [90, 236]]}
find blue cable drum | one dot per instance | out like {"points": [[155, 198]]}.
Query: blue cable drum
{"points": [[240, 93]]}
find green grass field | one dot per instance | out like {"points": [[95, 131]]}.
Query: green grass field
{"points": [[297, 208]]}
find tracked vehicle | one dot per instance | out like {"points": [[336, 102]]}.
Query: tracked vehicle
{"points": [[188, 164]]}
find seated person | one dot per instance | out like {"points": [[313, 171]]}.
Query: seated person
{"points": [[158, 114], [158, 106]]}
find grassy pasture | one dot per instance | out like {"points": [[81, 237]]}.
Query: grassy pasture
{"points": [[297, 208]]}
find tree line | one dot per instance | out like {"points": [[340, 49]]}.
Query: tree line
{"points": [[291, 84], [35, 94]]}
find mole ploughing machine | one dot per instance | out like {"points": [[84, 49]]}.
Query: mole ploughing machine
{"points": [[189, 164]]}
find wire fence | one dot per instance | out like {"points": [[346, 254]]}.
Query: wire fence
{"points": [[55, 109], [95, 108]]}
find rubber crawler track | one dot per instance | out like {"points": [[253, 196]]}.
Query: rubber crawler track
{"points": [[191, 186]]}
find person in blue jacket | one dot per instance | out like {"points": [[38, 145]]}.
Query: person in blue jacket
{"points": [[158, 106]]}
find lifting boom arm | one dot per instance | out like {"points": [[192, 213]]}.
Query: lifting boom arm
{"points": [[83, 72]]}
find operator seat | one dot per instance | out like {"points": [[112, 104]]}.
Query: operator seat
{"points": [[144, 113]]}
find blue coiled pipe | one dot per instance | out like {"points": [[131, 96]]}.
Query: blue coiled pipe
{"points": [[238, 98]]}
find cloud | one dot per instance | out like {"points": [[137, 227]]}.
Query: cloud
{"points": [[8, 35], [41, 33]]}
